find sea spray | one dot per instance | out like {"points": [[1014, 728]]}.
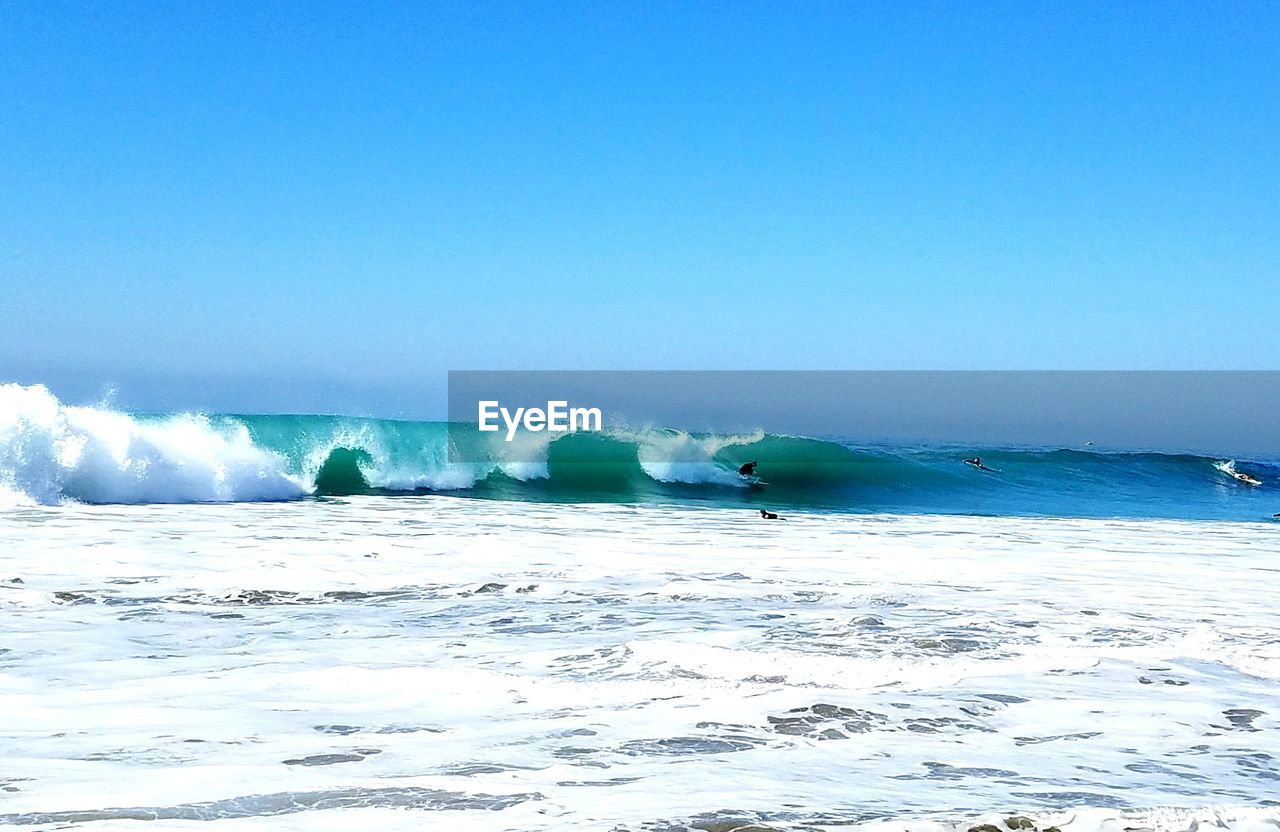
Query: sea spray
{"points": [[50, 452]]}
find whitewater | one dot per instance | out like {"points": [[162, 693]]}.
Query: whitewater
{"points": [[409, 662]]}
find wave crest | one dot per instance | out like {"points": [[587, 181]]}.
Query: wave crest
{"points": [[51, 452]]}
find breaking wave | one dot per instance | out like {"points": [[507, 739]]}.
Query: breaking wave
{"points": [[51, 452]]}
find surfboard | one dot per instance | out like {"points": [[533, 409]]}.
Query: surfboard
{"points": [[1229, 468]]}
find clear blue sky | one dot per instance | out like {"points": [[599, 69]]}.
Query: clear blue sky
{"points": [[326, 206]]}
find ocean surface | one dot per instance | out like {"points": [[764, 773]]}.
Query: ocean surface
{"points": [[321, 623], [51, 453], [436, 662]]}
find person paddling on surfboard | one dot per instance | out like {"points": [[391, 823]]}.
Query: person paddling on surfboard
{"points": [[976, 462], [748, 469], [1229, 468], [1246, 478]]}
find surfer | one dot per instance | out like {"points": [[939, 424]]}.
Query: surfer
{"points": [[1229, 468], [747, 469], [769, 515], [976, 462]]}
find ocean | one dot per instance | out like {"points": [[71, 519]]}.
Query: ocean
{"points": [[318, 622], [50, 453]]}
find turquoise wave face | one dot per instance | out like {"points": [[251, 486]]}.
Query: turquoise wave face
{"points": [[50, 453], [340, 456]]}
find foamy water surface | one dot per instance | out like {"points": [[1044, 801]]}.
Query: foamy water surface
{"points": [[433, 662]]}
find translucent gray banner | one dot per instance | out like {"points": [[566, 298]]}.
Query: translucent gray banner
{"points": [[513, 414]]}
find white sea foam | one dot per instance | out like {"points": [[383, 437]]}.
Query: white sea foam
{"points": [[422, 662], [50, 452], [677, 456], [429, 466]]}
